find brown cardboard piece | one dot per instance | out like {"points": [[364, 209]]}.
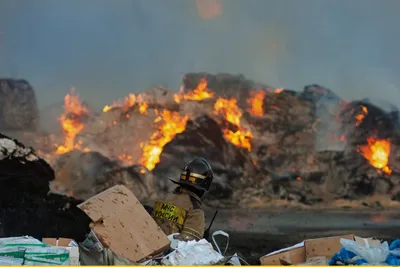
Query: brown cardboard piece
{"points": [[291, 256], [315, 261], [370, 241], [327, 246], [311, 249], [61, 242], [122, 224]]}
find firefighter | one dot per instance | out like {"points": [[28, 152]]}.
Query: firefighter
{"points": [[181, 211]]}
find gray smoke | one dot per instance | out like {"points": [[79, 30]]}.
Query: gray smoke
{"points": [[109, 48]]}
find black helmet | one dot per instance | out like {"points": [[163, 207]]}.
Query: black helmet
{"points": [[198, 174]]}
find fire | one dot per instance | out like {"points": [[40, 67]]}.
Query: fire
{"points": [[126, 159], [360, 117], [256, 103], [171, 124], [377, 153], [127, 103], [231, 112], [71, 122], [124, 104], [143, 106], [200, 93], [279, 90]]}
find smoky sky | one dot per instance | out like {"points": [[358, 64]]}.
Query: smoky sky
{"points": [[108, 48]]}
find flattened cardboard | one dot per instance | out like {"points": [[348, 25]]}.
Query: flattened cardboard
{"points": [[122, 224], [61, 242], [326, 246], [292, 256], [312, 249], [315, 261], [370, 241]]}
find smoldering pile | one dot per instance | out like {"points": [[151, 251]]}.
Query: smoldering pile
{"points": [[264, 144]]}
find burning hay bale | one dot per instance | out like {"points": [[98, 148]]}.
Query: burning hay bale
{"points": [[110, 133], [85, 174], [264, 144], [226, 85], [26, 207], [203, 138], [18, 106]]}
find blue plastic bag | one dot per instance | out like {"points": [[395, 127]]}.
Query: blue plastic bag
{"points": [[346, 257]]}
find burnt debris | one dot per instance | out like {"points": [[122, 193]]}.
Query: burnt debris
{"points": [[26, 205]]}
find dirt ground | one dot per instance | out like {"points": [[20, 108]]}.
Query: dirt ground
{"points": [[258, 232]]}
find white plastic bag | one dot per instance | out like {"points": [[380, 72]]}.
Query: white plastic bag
{"points": [[192, 253], [373, 253], [219, 232], [234, 260], [174, 242]]}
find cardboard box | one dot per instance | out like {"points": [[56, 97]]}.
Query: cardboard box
{"points": [[65, 243], [315, 261], [122, 224], [364, 241], [311, 248], [326, 246], [292, 255], [58, 242]]}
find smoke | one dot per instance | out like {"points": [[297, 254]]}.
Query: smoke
{"points": [[110, 48]]}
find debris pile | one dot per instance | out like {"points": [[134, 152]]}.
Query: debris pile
{"points": [[26, 206], [84, 174], [337, 250]]}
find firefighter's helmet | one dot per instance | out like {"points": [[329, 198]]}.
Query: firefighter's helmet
{"points": [[198, 174]]}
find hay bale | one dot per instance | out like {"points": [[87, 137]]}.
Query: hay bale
{"points": [[18, 106]]}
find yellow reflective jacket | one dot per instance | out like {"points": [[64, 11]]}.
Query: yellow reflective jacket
{"points": [[180, 212]]}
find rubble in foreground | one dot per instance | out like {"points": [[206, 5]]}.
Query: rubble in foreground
{"points": [[26, 206]]}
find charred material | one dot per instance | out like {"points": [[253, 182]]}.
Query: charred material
{"points": [[84, 175], [223, 84], [26, 207]]}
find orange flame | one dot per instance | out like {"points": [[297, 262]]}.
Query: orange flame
{"points": [[127, 103], [377, 153], [143, 106], [126, 159], [256, 103], [279, 90], [231, 112], [200, 93], [71, 123], [172, 124], [360, 117], [124, 104]]}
